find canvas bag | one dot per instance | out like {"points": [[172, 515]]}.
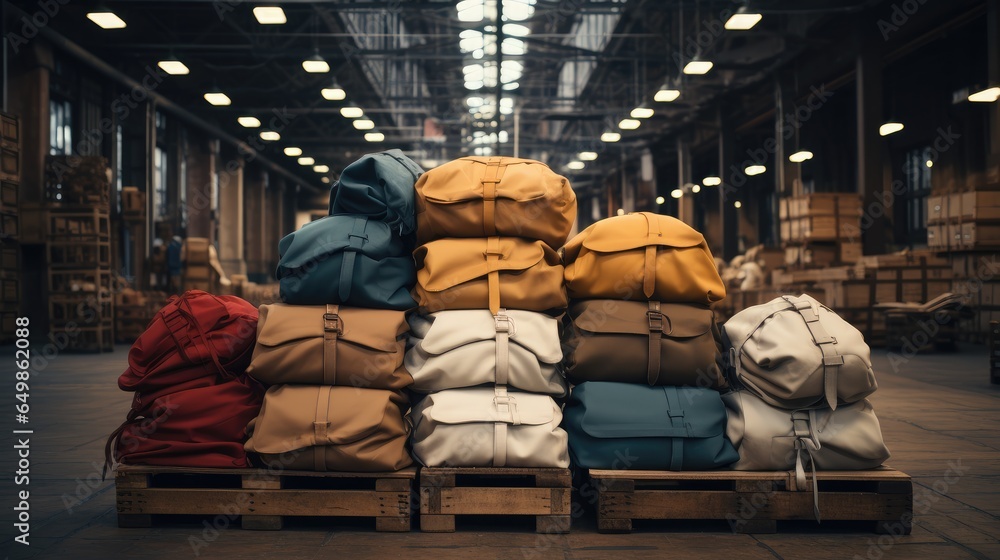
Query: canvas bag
{"points": [[488, 427], [330, 345], [642, 256], [192, 398], [350, 260], [794, 352], [468, 347], [379, 186], [488, 196], [651, 343], [770, 438], [325, 428], [627, 426], [489, 274]]}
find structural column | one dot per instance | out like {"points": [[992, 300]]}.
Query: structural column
{"points": [[868, 70], [231, 216], [728, 219], [685, 205], [993, 74], [254, 191], [200, 176]]}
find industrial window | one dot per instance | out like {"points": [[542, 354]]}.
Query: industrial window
{"points": [[60, 127], [917, 170], [160, 183]]}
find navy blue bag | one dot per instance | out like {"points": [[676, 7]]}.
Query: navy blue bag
{"points": [[349, 260], [638, 427], [379, 186]]}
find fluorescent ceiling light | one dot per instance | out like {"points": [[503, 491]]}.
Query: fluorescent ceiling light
{"points": [[711, 181], [374, 137], [743, 20], [269, 15], [738, 204], [292, 151], [474, 101], [510, 87], [173, 67], [698, 67], [929, 163], [575, 165], [334, 93], [800, 156], [754, 170], [516, 30], [324, 179], [611, 137], [641, 113], [352, 112], [217, 98], [587, 156], [315, 64], [890, 128], [364, 124], [621, 212], [666, 95], [676, 193], [269, 135], [249, 122], [985, 96], [518, 10], [106, 20], [306, 161], [660, 200], [321, 168], [628, 124], [696, 189], [473, 11]]}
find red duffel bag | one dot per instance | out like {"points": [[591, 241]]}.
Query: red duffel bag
{"points": [[193, 398]]}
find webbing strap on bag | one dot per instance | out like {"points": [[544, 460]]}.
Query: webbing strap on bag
{"points": [[831, 359], [333, 327], [655, 322], [491, 179], [356, 239], [505, 328], [649, 272], [493, 256], [321, 427], [676, 413], [506, 409], [803, 426]]}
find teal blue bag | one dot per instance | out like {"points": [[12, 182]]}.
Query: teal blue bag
{"points": [[350, 260], [638, 427], [379, 186]]}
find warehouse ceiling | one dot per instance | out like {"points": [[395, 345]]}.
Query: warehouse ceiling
{"points": [[422, 75]]}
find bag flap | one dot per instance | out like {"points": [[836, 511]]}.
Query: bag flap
{"points": [[327, 235], [476, 405], [380, 186], [460, 180], [446, 263], [448, 330], [622, 410], [631, 231], [609, 316], [372, 328], [742, 325]]}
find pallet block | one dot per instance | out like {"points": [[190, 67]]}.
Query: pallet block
{"points": [[261, 497], [542, 492], [753, 502]]}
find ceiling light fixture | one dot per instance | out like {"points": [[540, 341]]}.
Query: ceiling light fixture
{"points": [[106, 20], [587, 156], [890, 128], [292, 151], [666, 95], [173, 67], [743, 19], [321, 168], [611, 137], [352, 112], [641, 113], [315, 64], [325, 180], [575, 165], [269, 15], [374, 137], [696, 189], [334, 92], [621, 212], [249, 122], [629, 124], [754, 170], [711, 181], [660, 200], [364, 124], [306, 161], [800, 156], [676, 193], [269, 135], [698, 67], [217, 98], [738, 204], [988, 95]]}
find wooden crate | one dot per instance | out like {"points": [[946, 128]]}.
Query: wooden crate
{"points": [[10, 164], [10, 226], [262, 497], [78, 254], [9, 196], [10, 130], [95, 280], [84, 180], [752, 502], [540, 492], [980, 205], [78, 224], [978, 235]]}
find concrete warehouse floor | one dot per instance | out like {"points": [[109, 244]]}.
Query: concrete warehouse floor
{"points": [[938, 412]]}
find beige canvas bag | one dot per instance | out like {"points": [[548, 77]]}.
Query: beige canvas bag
{"points": [[794, 352], [488, 427], [468, 347]]}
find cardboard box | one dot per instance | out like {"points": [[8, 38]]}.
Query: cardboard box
{"points": [[981, 205], [954, 206], [937, 209], [133, 201], [979, 235]]}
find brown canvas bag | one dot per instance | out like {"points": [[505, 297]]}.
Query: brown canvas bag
{"points": [[487, 196], [651, 343], [324, 428], [330, 345], [489, 274], [642, 256]]}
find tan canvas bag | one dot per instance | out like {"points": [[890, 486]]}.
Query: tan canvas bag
{"points": [[652, 343], [642, 256], [330, 345], [489, 274], [488, 196], [794, 352], [468, 347], [324, 428], [488, 427]]}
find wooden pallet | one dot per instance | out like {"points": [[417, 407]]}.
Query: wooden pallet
{"points": [[263, 498], [541, 492], [753, 502]]}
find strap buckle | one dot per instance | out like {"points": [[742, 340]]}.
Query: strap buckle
{"points": [[504, 323], [332, 322], [656, 319], [352, 236]]}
